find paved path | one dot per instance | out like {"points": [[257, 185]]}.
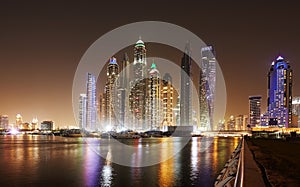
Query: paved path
{"points": [[252, 173]]}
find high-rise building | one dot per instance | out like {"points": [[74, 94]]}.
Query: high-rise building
{"points": [[296, 108], [153, 102], [102, 110], [138, 86], [35, 123], [91, 107], [254, 110], [19, 121], [47, 125], [207, 82], [203, 104], [280, 92], [241, 122], [111, 97], [82, 110], [123, 94], [231, 123], [185, 89], [4, 122], [169, 97]]}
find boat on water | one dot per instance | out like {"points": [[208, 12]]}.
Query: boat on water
{"points": [[72, 133], [125, 135]]}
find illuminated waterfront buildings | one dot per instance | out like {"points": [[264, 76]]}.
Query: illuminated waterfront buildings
{"points": [[185, 88], [254, 110], [91, 103], [280, 92], [207, 88]]}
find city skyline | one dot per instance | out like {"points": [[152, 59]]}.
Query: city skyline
{"points": [[40, 61]]}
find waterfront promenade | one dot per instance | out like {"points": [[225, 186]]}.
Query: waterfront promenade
{"points": [[252, 173]]}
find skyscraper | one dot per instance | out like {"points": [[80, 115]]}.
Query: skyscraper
{"points": [[254, 110], [91, 103], [185, 89], [111, 97], [296, 108], [19, 121], [280, 92], [123, 94], [153, 103], [82, 110], [169, 97], [207, 82], [138, 85], [4, 123]]}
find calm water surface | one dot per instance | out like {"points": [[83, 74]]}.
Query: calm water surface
{"points": [[27, 160]]}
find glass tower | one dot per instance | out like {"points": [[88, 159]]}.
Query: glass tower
{"points": [[138, 86], [207, 88], [111, 97], [91, 103], [280, 92], [185, 89]]}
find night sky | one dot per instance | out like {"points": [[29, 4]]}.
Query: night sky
{"points": [[41, 44]]}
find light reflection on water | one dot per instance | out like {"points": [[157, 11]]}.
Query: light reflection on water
{"points": [[57, 161]]}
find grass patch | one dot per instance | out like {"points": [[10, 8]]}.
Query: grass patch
{"points": [[280, 158]]}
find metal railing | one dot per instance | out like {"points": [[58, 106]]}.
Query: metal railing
{"points": [[233, 172]]}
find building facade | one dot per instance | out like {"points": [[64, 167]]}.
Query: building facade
{"points": [[82, 110], [91, 111], [296, 108], [254, 110], [4, 122], [280, 92]]}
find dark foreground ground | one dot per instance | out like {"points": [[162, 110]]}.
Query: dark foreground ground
{"points": [[279, 158]]}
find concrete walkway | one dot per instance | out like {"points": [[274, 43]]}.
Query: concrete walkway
{"points": [[252, 173]]}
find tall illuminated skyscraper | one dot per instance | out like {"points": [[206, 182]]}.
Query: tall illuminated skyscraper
{"points": [[185, 89], [123, 94], [138, 85], [82, 110], [91, 103], [111, 97], [207, 87], [254, 110], [153, 99], [280, 92]]}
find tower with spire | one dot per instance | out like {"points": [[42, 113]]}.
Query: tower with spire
{"points": [[153, 98], [138, 85], [110, 88]]}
